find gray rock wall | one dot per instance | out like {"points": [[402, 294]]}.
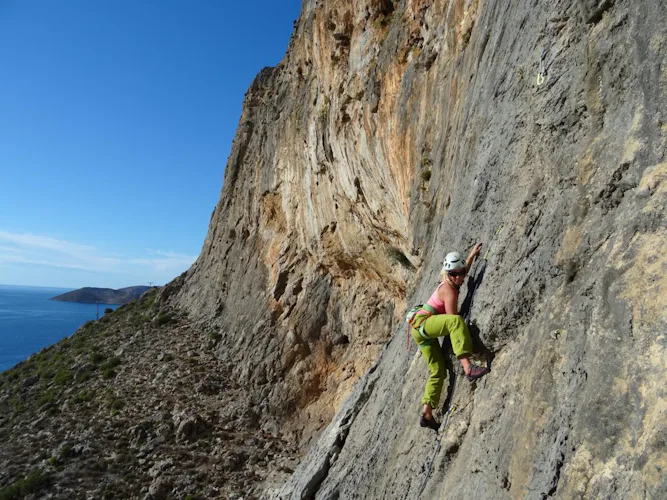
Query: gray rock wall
{"points": [[394, 132]]}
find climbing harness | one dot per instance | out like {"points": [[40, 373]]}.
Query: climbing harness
{"points": [[420, 311], [541, 75]]}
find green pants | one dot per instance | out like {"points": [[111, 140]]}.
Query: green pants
{"points": [[436, 326]]}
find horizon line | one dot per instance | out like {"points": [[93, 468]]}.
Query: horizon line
{"points": [[72, 288]]}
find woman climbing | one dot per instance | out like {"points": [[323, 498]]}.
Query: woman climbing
{"points": [[440, 317]]}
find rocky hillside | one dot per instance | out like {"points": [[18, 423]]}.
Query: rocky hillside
{"points": [[391, 133], [135, 405], [103, 295]]}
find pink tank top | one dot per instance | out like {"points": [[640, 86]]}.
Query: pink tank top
{"points": [[435, 302]]}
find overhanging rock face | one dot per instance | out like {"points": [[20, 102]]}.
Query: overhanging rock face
{"points": [[393, 132]]}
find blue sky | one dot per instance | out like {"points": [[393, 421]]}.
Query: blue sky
{"points": [[116, 120]]}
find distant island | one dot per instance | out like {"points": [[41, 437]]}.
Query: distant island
{"points": [[103, 295]]}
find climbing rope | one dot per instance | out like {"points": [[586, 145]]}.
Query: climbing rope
{"points": [[451, 410]]}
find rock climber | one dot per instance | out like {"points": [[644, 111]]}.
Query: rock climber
{"points": [[440, 317]]}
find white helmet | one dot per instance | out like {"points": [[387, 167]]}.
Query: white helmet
{"points": [[454, 261]]}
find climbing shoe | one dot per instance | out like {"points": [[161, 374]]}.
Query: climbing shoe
{"points": [[431, 423], [476, 372]]}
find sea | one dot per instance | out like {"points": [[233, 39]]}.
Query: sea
{"points": [[29, 321]]}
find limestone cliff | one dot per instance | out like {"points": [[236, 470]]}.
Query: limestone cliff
{"points": [[537, 128], [391, 133]]}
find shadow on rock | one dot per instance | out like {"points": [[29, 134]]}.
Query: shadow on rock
{"points": [[473, 284], [478, 346], [466, 308]]}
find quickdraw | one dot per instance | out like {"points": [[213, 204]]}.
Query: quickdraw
{"points": [[541, 75]]}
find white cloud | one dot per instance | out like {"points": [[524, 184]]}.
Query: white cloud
{"points": [[44, 242], [171, 255], [9, 249], [36, 250], [47, 251], [19, 259]]}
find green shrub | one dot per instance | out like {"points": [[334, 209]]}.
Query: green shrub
{"points": [[48, 396], [116, 404], [34, 482], [108, 373], [426, 175], [110, 363], [63, 376], [150, 297], [67, 451], [382, 21], [215, 337], [146, 301], [164, 318], [79, 342], [96, 358], [16, 403], [83, 397], [83, 375], [45, 369], [138, 319]]}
